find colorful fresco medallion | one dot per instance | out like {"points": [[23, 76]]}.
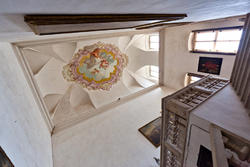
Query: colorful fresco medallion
{"points": [[97, 66]]}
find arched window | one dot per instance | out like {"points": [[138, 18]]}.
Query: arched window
{"points": [[218, 41]]}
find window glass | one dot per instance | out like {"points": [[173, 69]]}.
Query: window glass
{"points": [[227, 46], [205, 46], [229, 35], [205, 36], [154, 71], [155, 68], [154, 74], [218, 40], [154, 42], [154, 46], [154, 38]]}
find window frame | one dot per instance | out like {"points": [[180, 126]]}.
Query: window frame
{"points": [[212, 29]]}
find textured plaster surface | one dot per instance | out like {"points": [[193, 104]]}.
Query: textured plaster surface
{"points": [[24, 136], [12, 11], [178, 60], [111, 139], [66, 100]]}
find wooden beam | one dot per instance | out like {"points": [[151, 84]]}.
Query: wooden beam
{"points": [[97, 18], [53, 24], [161, 24]]}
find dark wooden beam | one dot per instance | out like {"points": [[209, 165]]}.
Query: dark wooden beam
{"points": [[69, 23], [97, 18], [161, 24]]}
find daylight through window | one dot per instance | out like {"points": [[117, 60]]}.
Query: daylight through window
{"points": [[154, 42], [224, 40], [154, 71]]}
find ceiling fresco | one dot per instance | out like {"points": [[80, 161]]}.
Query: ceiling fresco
{"points": [[97, 66]]}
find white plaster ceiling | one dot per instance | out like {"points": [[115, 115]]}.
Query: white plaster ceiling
{"points": [[11, 11]]}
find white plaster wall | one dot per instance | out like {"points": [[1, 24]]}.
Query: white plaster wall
{"points": [[144, 71], [46, 62], [178, 60], [112, 139], [140, 55], [139, 58], [142, 41], [23, 133], [11, 11], [123, 42]]}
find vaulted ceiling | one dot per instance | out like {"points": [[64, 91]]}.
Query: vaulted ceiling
{"points": [[12, 11]]}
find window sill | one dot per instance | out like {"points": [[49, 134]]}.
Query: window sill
{"points": [[218, 53]]}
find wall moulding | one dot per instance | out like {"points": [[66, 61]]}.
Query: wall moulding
{"points": [[34, 87]]}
